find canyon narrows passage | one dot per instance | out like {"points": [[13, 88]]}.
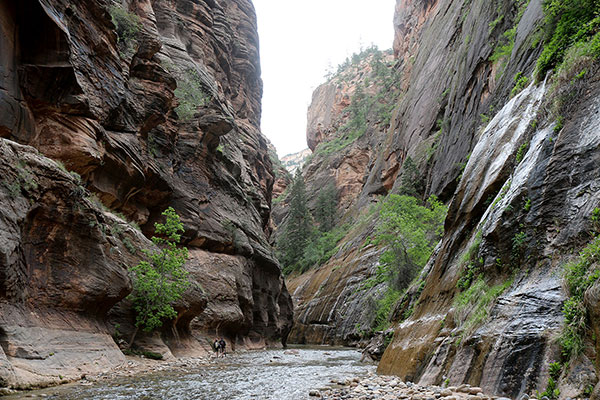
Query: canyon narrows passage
{"points": [[445, 217]]}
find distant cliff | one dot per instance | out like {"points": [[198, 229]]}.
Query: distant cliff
{"points": [[146, 104], [293, 161]]}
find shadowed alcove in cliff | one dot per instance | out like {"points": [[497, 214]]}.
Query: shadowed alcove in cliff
{"points": [[46, 76]]}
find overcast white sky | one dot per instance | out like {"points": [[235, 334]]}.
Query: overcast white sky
{"points": [[299, 41]]}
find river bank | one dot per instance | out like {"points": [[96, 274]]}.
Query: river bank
{"points": [[376, 387]]}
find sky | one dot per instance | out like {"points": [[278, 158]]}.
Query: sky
{"points": [[300, 41]]}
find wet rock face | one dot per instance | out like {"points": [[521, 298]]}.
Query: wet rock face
{"points": [[513, 182], [168, 115], [539, 209]]}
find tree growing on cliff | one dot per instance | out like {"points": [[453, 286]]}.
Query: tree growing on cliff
{"points": [[161, 279], [410, 231], [296, 231], [326, 208]]}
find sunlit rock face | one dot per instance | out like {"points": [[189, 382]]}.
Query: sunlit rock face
{"points": [[520, 192], [168, 116]]}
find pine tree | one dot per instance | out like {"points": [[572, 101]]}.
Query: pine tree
{"points": [[325, 212], [297, 227]]}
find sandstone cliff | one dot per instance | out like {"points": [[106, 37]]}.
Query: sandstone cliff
{"points": [[151, 103], [348, 123], [293, 161], [516, 161]]}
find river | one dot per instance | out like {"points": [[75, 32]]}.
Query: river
{"points": [[269, 374]]}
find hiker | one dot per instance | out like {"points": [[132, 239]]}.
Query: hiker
{"points": [[217, 347], [222, 345]]}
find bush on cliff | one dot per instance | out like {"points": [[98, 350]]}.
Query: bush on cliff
{"points": [[160, 280], [127, 25], [569, 23], [410, 231], [580, 275]]}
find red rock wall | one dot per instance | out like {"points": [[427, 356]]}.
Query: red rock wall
{"points": [[72, 91]]}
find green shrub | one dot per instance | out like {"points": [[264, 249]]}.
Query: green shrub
{"points": [[521, 152], [560, 123], [470, 264], [127, 25], [190, 95], [580, 275], [409, 231], [568, 23], [384, 308], [521, 82], [297, 228], [472, 306]]}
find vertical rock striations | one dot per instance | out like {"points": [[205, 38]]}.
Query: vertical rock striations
{"points": [[517, 163], [153, 103]]}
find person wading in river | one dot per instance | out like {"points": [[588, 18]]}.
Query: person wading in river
{"points": [[222, 345], [217, 347]]}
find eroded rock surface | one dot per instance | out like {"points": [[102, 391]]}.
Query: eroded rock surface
{"points": [[166, 115], [520, 192]]}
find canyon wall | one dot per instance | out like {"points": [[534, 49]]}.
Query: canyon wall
{"points": [[148, 104], [516, 160]]}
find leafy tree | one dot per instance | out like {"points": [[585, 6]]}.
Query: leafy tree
{"points": [[326, 208], [297, 227], [412, 182], [410, 231], [160, 280]]}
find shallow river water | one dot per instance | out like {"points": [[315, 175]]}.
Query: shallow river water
{"points": [[270, 374]]}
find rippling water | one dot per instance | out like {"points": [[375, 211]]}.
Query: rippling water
{"points": [[269, 374]]}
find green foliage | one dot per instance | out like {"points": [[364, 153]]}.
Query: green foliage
{"points": [[326, 208], [554, 369], [409, 231], [471, 264], [580, 275], [364, 108], [504, 47], [569, 23], [560, 123], [521, 152], [521, 82], [297, 228], [384, 308], [190, 95], [552, 391], [161, 280], [412, 183], [495, 23], [472, 306], [485, 119], [519, 240], [127, 25], [527, 205], [595, 220], [502, 193], [320, 247]]}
